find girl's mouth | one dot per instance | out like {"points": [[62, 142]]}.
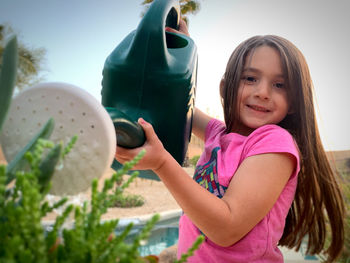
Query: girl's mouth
{"points": [[258, 108]]}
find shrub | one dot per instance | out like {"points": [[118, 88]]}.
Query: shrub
{"points": [[194, 160], [345, 255], [126, 201], [23, 238]]}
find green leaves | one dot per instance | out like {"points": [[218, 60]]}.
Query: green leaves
{"points": [[48, 164], [200, 239], [22, 236], [8, 76], [186, 7], [18, 162], [30, 59]]}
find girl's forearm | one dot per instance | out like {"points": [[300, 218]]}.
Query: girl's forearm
{"points": [[200, 121], [209, 213]]}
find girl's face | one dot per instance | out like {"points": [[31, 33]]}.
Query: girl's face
{"points": [[262, 95]]}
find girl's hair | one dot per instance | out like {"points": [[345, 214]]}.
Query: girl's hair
{"points": [[317, 191]]}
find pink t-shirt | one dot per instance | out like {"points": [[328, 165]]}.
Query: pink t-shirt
{"points": [[217, 165]]}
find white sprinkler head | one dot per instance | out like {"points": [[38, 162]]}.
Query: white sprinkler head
{"points": [[75, 112]]}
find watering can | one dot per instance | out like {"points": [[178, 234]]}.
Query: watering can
{"points": [[152, 74]]}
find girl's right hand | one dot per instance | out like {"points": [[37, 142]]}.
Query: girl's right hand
{"points": [[155, 156]]}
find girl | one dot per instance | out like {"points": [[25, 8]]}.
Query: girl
{"points": [[263, 179]]}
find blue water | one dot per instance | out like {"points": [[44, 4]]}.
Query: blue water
{"points": [[160, 239], [163, 235]]}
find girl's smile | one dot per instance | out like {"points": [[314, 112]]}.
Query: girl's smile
{"points": [[262, 94], [258, 108]]}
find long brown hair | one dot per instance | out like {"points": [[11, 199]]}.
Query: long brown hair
{"points": [[318, 192]]}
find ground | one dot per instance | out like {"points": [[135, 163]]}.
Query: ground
{"points": [[157, 199]]}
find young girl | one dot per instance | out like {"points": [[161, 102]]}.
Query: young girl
{"points": [[263, 179]]}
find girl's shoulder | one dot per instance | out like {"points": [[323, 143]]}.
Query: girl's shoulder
{"points": [[266, 134], [270, 130], [270, 138]]}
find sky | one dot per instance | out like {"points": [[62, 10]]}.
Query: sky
{"points": [[79, 35]]}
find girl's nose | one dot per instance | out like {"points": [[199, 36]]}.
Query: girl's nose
{"points": [[263, 90]]}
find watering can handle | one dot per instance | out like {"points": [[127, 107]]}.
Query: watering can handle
{"points": [[173, 18], [150, 35]]}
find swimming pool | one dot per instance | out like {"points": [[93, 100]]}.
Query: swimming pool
{"points": [[163, 235], [161, 238]]}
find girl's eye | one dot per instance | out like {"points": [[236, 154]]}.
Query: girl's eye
{"points": [[250, 79], [279, 85]]}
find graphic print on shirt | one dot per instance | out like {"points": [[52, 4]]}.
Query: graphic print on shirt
{"points": [[207, 176]]}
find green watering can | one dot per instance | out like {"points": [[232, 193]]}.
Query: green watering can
{"points": [[152, 74]]}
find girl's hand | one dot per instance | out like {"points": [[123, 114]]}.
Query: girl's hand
{"points": [[155, 155], [182, 28]]}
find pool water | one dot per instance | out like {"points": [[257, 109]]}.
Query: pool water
{"points": [[160, 239], [164, 234]]}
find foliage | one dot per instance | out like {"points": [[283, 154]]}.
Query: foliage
{"points": [[192, 249], [186, 7], [129, 200], [347, 163], [345, 255], [19, 163], [23, 238], [194, 160], [9, 60], [30, 60]]}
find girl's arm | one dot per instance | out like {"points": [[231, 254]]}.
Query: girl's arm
{"points": [[251, 194], [200, 121]]}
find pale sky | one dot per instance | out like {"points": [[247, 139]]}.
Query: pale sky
{"points": [[79, 35]]}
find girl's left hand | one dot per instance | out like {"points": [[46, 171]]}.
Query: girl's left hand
{"points": [[182, 28], [155, 155]]}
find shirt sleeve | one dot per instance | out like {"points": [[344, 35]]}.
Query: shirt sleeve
{"points": [[271, 139]]}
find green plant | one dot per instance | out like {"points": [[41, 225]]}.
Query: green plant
{"points": [[23, 238], [345, 255], [129, 200], [31, 60], [186, 7], [191, 250], [8, 76], [194, 160]]}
